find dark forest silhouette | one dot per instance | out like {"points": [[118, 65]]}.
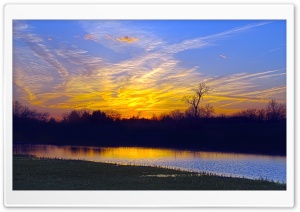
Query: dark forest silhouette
{"points": [[248, 131]]}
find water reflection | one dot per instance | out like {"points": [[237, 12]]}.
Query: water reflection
{"points": [[229, 164]]}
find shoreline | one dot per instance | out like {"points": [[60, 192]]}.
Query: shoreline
{"points": [[160, 167], [31, 173], [154, 147]]}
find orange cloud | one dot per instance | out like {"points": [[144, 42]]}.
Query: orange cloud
{"points": [[89, 37], [127, 39]]}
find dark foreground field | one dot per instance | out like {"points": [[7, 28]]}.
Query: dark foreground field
{"points": [[31, 173]]}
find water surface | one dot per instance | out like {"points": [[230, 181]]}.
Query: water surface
{"points": [[228, 164]]}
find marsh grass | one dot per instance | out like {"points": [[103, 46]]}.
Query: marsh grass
{"points": [[31, 173]]}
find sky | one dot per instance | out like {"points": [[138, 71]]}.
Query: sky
{"points": [[147, 66]]}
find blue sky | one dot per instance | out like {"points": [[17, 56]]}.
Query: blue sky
{"points": [[147, 66]]}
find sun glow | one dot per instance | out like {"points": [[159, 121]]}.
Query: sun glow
{"points": [[101, 67]]}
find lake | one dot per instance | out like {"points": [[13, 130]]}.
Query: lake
{"points": [[227, 164]]}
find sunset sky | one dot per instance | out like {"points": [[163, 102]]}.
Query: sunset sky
{"points": [[147, 66]]}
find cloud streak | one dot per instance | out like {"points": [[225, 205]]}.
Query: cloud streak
{"points": [[151, 79], [41, 51], [36, 45]]}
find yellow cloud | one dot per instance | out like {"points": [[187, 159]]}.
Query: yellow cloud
{"points": [[153, 92], [127, 39], [151, 82], [19, 79]]}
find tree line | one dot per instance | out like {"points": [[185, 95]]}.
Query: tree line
{"points": [[198, 127], [274, 111]]}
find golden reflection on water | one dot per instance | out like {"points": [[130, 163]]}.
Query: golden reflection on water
{"points": [[129, 153], [137, 153], [227, 164]]}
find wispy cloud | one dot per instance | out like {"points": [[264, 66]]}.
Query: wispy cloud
{"points": [[272, 75], [233, 92], [73, 55], [30, 79], [152, 81], [44, 53], [232, 32], [223, 56], [111, 34], [270, 51], [209, 40], [36, 45], [19, 81]]}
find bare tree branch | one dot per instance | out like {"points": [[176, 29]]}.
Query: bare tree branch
{"points": [[194, 100]]}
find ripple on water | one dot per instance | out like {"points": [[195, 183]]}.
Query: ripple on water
{"points": [[225, 164]]}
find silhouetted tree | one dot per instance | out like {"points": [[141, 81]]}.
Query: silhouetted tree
{"points": [[194, 100], [248, 114], [207, 111], [98, 116], [177, 116], [23, 112], [275, 111], [85, 116], [154, 117], [164, 117], [138, 115], [189, 113], [17, 108], [217, 133], [222, 115], [52, 121], [113, 114], [261, 114], [74, 116]]}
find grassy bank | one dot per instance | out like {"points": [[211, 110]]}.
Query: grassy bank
{"points": [[53, 174]]}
